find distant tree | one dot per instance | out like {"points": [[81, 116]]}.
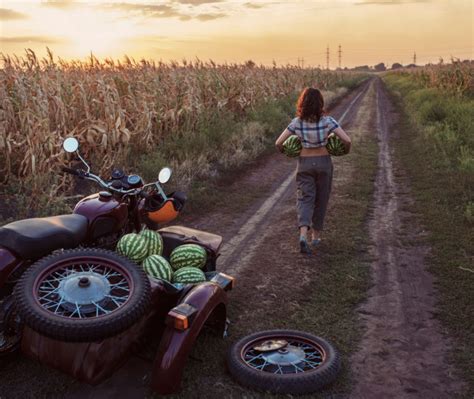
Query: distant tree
{"points": [[410, 66], [364, 68], [250, 64], [396, 65], [380, 67]]}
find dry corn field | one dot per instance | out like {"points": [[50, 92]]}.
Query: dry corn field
{"points": [[456, 78], [113, 107]]}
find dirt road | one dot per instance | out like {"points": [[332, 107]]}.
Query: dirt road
{"points": [[402, 352]]}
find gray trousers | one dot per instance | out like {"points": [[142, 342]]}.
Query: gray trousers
{"points": [[314, 180]]}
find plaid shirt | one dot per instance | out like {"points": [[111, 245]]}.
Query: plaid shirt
{"points": [[313, 134]]}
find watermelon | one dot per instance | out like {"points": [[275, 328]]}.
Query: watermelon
{"points": [[188, 255], [154, 242], [189, 275], [335, 146], [157, 267], [292, 146], [133, 246]]}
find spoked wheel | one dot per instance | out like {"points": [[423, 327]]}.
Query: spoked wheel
{"points": [[283, 361], [82, 295], [10, 327]]}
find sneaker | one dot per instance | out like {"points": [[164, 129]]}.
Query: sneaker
{"points": [[304, 247]]}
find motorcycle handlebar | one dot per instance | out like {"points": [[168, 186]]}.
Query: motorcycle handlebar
{"points": [[108, 186], [70, 171]]}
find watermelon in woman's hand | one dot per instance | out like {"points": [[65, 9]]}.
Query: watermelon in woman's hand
{"points": [[335, 146], [292, 146]]}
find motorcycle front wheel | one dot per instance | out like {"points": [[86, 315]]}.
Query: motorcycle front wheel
{"points": [[283, 361]]}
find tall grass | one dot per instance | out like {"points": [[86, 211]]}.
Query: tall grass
{"points": [[193, 115], [113, 106], [440, 100], [456, 78]]}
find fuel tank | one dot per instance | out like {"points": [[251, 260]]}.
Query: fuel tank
{"points": [[106, 214]]}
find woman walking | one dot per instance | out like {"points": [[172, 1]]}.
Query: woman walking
{"points": [[314, 173]]}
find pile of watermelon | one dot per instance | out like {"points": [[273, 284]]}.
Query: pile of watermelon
{"points": [[146, 248], [335, 146], [292, 146]]}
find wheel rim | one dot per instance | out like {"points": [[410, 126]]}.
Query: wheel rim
{"points": [[285, 355], [83, 287]]}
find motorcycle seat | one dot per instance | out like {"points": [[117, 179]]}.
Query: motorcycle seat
{"points": [[34, 238]]}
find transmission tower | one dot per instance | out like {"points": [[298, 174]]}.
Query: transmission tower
{"points": [[339, 56], [414, 57], [327, 57]]}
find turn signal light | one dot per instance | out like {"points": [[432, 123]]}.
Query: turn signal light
{"points": [[181, 316], [181, 322], [225, 281]]}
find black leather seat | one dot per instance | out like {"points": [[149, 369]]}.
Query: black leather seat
{"points": [[37, 237]]}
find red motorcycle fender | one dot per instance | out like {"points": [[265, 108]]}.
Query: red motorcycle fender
{"points": [[210, 300], [8, 263]]}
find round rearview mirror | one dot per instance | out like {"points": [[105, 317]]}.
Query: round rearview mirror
{"points": [[70, 144], [164, 175]]}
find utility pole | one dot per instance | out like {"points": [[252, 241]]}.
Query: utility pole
{"points": [[414, 57], [327, 57], [340, 56]]}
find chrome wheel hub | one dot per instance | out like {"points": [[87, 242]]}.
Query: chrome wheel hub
{"points": [[83, 288], [286, 356]]}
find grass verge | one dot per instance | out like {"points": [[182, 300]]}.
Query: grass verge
{"points": [[441, 172]]}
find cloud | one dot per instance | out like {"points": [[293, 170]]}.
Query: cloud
{"points": [[388, 2], [61, 4], [6, 14], [253, 5], [209, 17], [161, 11], [30, 39], [198, 2]]}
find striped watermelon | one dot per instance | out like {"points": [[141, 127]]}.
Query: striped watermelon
{"points": [[188, 255], [133, 246], [335, 146], [157, 267], [189, 275], [154, 242], [292, 146]]}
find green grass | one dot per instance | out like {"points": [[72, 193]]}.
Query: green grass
{"points": [[437, 143]]}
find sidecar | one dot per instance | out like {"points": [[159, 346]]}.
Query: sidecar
{"points": [[171, 315]]}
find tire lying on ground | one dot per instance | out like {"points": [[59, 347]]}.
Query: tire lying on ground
{"points": [[82, 295], [305, 364]]}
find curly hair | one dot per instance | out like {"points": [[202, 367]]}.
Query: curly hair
{"points": [[310, 105]]}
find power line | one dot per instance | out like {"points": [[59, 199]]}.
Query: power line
{"points": [[327, 57], [340, 56]]}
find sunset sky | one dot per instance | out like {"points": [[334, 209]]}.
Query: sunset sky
{"points": [[369, 31]]}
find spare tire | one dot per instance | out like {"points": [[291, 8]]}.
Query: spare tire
{"points": [[283, 361], [82, 295]]}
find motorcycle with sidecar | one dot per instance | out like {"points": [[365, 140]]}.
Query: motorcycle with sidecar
{"points": [[72, 303]]}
